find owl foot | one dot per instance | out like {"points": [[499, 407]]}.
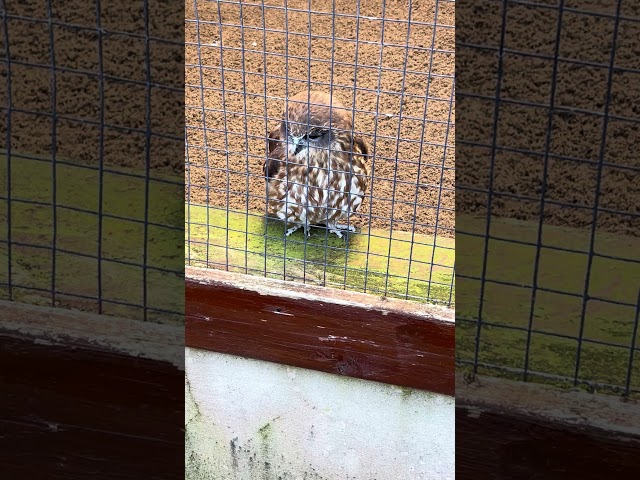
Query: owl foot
{"points": [[292, 229], [295, 228], [337, 232], [339, 229], [350, 228]]}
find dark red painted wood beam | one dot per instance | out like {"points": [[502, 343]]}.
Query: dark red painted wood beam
{"points": [[89, 396], [335, 331], [515, 430]]}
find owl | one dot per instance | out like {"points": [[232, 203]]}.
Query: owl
{"points": [[315, 167]]}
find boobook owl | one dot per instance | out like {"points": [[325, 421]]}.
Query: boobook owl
{"points": [[315, 166]]}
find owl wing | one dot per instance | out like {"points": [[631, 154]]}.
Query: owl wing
{"points": [[360, 147], [359, 158], [274, 154]]}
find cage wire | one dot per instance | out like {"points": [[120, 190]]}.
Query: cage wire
{"points": [[391, 63], [572, 319], [78, 226]]}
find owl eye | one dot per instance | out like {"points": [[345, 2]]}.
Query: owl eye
{"points": [[315, 135]]}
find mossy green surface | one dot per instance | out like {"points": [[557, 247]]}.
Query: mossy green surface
{"points": [[78, 243], [556, 316], [399, 266]]}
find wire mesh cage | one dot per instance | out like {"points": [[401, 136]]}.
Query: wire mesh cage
{"points": [[554, 297], [86, 220], [390, 65]]}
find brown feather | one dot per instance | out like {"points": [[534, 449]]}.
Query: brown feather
{"points": [[271, 164]]}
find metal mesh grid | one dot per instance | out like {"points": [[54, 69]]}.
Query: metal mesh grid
{"points": [[80, 222], [391, 63], [566, 309]]}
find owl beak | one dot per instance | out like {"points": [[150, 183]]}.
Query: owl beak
{"points": [[299, 144]]}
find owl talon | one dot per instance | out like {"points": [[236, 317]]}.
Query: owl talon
{"points": [[350, 228], [337, 232], [292, 229]]}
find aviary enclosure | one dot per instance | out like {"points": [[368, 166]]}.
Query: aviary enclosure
{"points": [[392, 65]]}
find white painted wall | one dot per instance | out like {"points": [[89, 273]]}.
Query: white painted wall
{"points": [[247, 420]]}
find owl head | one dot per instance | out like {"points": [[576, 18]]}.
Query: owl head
{"points": [[312, 120]]}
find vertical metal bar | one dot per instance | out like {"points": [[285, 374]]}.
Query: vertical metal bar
{"points": [[226, 136], [188, 195], [286, 106], [246, 143], [375, 145], [543, 191], [395, 170], [594, 218], [8, 141], [496, 113], [442, 170], [101, 149], [309, 51], [266, 131], [147, 156], [331, 90], [353, 123], [333, 59], [424, 125], [54, 149]]}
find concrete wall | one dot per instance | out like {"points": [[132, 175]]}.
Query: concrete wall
{"points": [[247, 419]]}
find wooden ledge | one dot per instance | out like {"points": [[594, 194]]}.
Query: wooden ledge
{"points": [[81, 390], [508, 429], [295, 290], [347, 333], [573, 408], [72, 328]]}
